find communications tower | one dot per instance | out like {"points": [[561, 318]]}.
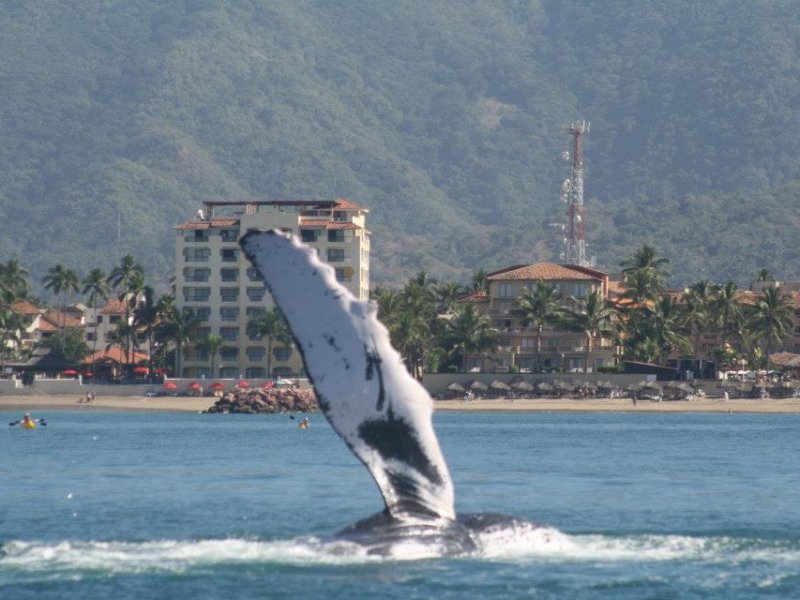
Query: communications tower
{"points": [[572, 194]]}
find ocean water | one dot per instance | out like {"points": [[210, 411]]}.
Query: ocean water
{"points": [[132, 505]]}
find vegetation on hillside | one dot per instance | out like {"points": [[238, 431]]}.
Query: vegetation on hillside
{"points": [[445, 118]]}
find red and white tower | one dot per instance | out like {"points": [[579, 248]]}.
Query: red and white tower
{"points": [[572, 193]]}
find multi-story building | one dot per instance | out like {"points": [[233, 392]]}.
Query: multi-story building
{"points": [[216, 281], [560, 349]]}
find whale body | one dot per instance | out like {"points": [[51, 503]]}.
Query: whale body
{"points": [[381, 412]]}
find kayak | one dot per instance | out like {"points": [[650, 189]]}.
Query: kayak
{"points": [[28, 425]]}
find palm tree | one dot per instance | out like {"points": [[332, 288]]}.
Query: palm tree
{"points": [[697, 307], [146, 316], [127, 279], [213, 343], [62, 282], [14, 279], [470, 332], [272, 325], [447, 294], [726, 309], [10, 324], [479, 281], [593, 316], [771, 318], [646, 259], [179, 326], [537, 307], [95, 288]]}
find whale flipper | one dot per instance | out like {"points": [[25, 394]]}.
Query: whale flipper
{"points": [[363, 388]]}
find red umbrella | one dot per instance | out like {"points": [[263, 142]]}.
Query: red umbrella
{"points": [[88, 374], [243, 384], [170, 385], [69, 372], [195, 386], [216, 386], [141, 370], [266, 385]]}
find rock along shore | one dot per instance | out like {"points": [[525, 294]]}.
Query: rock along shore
{"points": [[266, 401]]}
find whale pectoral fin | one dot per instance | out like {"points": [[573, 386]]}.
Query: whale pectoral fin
{"points": [[363, 388]]}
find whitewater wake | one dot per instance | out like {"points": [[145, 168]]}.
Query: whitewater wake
{"points": [[516, 545]]}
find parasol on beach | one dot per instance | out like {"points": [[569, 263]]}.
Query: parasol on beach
{"points": [[170, 385]]}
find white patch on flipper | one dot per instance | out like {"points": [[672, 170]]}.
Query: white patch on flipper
{"points": [[364, 389]]}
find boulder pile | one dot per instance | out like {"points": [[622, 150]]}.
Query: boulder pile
{"points": [[266, 401]]}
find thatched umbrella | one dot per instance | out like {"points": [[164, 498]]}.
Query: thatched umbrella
{"points": [[522, 386], [500, 386], [544, 387], [455, 387], [477, 386]]}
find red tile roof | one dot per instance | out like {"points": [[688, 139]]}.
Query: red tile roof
{"points": [[114, 307], [325, 224], [23, 307], [212, 224], [58, 319], [475, 297], [543, 271], [115, 355]]}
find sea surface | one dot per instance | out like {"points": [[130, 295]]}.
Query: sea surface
{"points": [[146, 505]]}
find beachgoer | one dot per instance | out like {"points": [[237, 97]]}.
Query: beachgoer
{"points": [[726, 396], [26, 420]]}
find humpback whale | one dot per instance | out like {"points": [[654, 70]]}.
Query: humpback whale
{"points": [[363, 388]]}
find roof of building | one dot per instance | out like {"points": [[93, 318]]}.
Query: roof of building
{"points": [[53, 319], [334, 203], [115, 355], [325, 224], [115, 306], [210, 224], [23, 307], [544, 271], [475, 297]]}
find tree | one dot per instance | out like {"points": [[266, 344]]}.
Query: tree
{"points": [[537, 307], [697, 311], [14, 280], [10, 324], [127, 279], [771, 318], [272, 325], [179, 326], [95, 289], [470, 332], [62, 282], [447, 294], [593, 316], [213, 343], [71, 343], [146, 316]]}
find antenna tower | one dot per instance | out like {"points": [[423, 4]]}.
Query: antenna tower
{"points": [[572, 194]]}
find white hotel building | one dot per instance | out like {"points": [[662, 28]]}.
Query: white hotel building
{"points": [[215, 280]]}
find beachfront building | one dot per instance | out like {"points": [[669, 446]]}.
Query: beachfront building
{"points": [[520, 347], [216, 281]]}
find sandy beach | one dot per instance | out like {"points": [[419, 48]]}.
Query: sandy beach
{"points": [[13, 403]]}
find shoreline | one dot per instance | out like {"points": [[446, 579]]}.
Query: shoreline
{"points": [[14, 403]]}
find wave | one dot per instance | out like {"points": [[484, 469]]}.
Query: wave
{"points": [[529, 545]]}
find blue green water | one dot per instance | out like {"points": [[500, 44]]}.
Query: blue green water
{"points": [[132, 505]]}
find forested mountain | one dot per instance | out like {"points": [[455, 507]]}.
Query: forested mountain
{"points": [[445, 118]]}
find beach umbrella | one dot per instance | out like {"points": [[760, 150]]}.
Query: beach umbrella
{"points": [[243, 384], [170, 385], [217, 386], [499, 385], [266, 385], [69, 372], [195, 386], [141, 370], [455, 387], [522, 386], [88, 374], [478, 386]]}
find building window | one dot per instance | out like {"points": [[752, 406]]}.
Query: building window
{"points": [[339, 215], [229, 373], [255, 294], [196, 275], [229, 334], [229, 235], [229, 353], [255, 353], [282, 354], [309, 236], [200, 235], [229, 275], [335, 254], [114, 319], [202, 313], [99, 319], [253, 275], [229, 313], [336, 235], [505, 289], [229, 294], [253, 311], [229, 254], [256, 373], [196, 254], [196, 294]]}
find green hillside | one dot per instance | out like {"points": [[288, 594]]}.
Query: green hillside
{"points": [[446, 119]]}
